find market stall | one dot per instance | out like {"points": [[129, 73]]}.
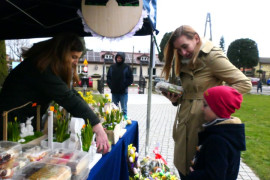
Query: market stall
{"points": [[30, 19]]}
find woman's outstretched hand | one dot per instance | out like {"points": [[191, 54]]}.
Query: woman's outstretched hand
{"points": [[101, 139]]}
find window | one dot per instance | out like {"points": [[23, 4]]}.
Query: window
{"points": [[154, 71], [144, 60], [107, 69], [134, 71], [80, 69], [108, 56]]}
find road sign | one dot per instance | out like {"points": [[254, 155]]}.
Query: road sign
{"points": [[85, 62]]}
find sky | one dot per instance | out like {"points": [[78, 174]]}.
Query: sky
{"points": [[232, 19]]}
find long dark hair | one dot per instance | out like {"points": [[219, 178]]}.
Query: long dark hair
{"points": [[55, 53]]}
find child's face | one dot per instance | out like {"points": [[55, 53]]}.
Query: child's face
{"points": [[209, 115]]}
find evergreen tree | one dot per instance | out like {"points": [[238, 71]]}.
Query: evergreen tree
{"points": [[222, 43], [243, 53], [162, 45], [3, 62]]}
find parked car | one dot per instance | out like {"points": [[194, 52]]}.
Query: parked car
{"points": [[268, 82], [86, 80], [254, 81], [157, 79]]}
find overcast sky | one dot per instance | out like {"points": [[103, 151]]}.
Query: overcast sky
{"points": [[233, 19]]}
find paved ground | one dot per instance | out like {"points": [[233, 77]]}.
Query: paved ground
{"points": [[162, 118], [265, 90]]}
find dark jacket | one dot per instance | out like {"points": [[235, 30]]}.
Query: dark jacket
{"points": [[25, 83], [119, 76], [218, 153]]}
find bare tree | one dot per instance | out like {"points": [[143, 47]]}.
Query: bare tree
{"points": [[16, 46]]}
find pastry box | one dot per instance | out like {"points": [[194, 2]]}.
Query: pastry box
{"points": [[34, 152], [78, 161], [39, 170]]}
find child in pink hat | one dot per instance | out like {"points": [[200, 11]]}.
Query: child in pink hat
{"points": [[220, 144]]}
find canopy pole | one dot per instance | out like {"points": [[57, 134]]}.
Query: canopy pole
{"points": [[150, 71]]}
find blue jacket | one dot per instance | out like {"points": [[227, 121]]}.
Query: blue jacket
{"points": [[218, 153], [119, 76]]}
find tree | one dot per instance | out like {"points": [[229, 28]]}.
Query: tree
{"points": [[3, 62], [222, 44], [162, 45], [243, 53], [16, 46]]}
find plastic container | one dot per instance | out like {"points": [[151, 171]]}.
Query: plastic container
{"points": [[34, 152], [78, 161], [12, 148], [82, 176], [39, 170], [167, 87]]}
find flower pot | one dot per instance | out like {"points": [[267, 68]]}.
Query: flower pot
{"points": [[113, 135], [64, 144]]}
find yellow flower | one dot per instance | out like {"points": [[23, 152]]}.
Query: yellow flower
{"points": [[106, 95], [83, 126], [15, 118], [109, 100], [107, 112], [58, 116]]}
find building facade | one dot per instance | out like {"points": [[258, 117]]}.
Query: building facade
{"points": [[104, 59], [264, 66]]}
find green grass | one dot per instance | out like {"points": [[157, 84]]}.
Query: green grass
{"points": [[30, 138], [255, 113], [97, 97]]}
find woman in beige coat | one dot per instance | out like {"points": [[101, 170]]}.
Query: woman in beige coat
{"points": [[200, 65]]}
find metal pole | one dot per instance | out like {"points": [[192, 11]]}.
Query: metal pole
{"points": [[132, 59], [150, 71]]}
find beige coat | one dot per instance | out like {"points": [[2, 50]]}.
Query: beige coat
{"points": [[213, 68]]}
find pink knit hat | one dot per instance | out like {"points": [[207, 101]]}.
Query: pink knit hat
{"points": [[223, 100]]}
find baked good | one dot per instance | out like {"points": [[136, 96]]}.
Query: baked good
{"points": [[6, 173], [46, 171]]}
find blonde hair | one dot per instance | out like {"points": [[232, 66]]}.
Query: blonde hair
{"points": [[171, 54]]}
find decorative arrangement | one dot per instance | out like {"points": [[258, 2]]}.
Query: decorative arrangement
{"points": [[149, 168], [58, 121], [134, 164]]}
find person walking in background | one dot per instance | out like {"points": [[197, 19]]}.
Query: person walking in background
{"points": [[46, 75], [119, 77], [220, 144], [199, 65], [259, 86]]}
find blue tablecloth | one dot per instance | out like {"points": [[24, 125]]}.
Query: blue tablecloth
{"points": [[113, 165]]}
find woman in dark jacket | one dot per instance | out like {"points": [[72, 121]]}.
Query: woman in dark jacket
{"points": [[46, 75]]}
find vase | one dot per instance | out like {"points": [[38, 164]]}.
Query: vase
{"points": [[113, 135]]}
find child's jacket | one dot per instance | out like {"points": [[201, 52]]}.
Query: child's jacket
{"points": [[218, 153]]}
